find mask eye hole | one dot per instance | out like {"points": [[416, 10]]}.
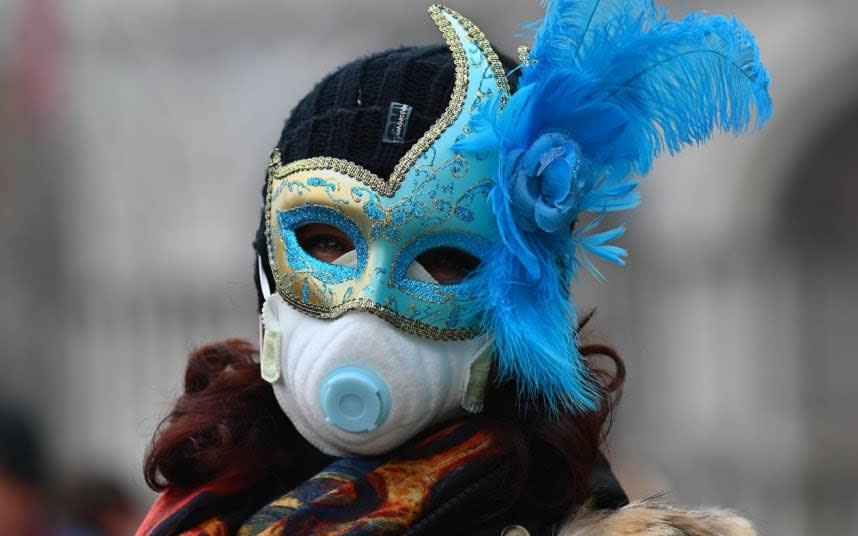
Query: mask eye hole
{"points": [[324, 242], [447, 265]]}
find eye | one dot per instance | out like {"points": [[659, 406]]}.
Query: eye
{"points": [[324, 242], [447, 265]]}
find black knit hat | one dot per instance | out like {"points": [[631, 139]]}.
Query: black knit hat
{"points": [[345, 115]]}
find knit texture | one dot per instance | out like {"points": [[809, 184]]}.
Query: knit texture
{"points": [[345, 114]]}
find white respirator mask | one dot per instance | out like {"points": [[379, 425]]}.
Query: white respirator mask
{"points": [[356, 385]]}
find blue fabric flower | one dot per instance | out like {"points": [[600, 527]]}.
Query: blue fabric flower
{"points": [[542, 184]]}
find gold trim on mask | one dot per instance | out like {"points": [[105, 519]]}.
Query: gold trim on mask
{"points": [[277, 170], [486, 47], [403, 322]]}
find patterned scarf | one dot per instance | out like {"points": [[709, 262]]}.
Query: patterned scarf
{"points": [[350, 497]]}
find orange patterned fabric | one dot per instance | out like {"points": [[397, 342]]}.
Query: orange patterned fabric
{"points": [[351, 497]]}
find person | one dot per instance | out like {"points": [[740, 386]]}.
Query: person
{"points": [[425, 212]]}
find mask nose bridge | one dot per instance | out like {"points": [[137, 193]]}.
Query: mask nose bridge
{"points": [[376, 283]]}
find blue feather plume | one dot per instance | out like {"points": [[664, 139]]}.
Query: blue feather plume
{"points": [[569, 27], [622, 83]]}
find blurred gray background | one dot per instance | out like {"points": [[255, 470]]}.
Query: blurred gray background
{"points": [[134, 140]]}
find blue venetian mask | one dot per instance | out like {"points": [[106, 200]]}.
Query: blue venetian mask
{"points": [[436, 199]]}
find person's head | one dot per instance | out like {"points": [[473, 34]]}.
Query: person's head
{"points": [[370, 259], [379, 251]]}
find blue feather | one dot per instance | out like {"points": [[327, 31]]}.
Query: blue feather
{"points": [[679, 80], [533, 323], [624, 83], [568, 28]]}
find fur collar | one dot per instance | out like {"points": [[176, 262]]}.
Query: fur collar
{"points": [[651, 518]]}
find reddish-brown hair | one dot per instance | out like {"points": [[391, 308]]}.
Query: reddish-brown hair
{"points": [[227, 424], [228, 411], [556, 455]]}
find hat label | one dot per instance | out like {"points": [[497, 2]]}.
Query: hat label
{"points": [[397, 123]]}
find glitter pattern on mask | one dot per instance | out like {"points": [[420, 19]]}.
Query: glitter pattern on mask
{"points": [[435, 292], [301, 261], [431, 201]]}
